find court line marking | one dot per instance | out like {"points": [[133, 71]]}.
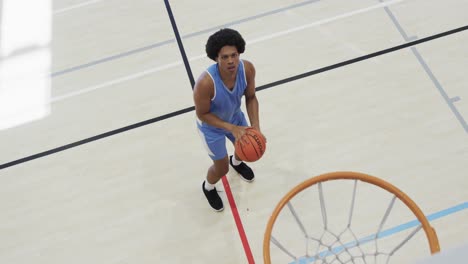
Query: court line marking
{"points": [[195, 58], [441, 90], [66, 9], [263, 87], [117, 81], [197, 33], [325, 21], [237, 219], [390, 231], [450, 102]]}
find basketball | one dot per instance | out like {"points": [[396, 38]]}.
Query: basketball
{"points": [[253, 149]]}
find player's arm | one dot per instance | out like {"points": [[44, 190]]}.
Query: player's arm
{"points": [[251, 101], [202, 94]]}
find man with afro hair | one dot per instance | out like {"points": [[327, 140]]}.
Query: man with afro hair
{"points": [[217, 95]]}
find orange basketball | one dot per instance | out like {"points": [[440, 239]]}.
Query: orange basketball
{"points": [[254, 148]]}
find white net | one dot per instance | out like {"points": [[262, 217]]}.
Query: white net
{"points": [[346, 221]]}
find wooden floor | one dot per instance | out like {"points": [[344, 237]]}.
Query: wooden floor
{"points": [[135, 196]]}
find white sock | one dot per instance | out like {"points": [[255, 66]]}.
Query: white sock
{"points": [[209, 186], [235, 162]]}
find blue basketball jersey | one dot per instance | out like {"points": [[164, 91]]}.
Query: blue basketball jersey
{"points": [[226, 103]]}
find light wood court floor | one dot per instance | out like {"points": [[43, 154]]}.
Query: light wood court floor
{"points": [[135, 196]]}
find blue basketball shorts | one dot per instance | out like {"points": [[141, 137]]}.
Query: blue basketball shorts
{"points": [[214, 139]]}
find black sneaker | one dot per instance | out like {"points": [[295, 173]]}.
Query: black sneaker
{"points": [[213, 198], [245, 171]]}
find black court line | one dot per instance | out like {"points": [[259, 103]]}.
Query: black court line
{"points": [[180, 44], [365, 57], [100, 136], [170, 41], [263, 87]]}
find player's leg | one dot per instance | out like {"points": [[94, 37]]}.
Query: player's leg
{"points": [[219, 168], [215, 144], [239, 166]]}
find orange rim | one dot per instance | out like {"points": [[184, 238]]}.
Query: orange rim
{"points": [[346, 175]]}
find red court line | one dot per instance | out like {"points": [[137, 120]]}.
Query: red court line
{"points": [[238, 221]]}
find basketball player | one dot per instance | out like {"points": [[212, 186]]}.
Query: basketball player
{"points": [[217, 94]]}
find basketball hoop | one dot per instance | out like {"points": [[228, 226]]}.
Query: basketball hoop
{"points": [[340, 248]]}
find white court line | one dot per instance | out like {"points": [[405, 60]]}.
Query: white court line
{"points": [[59, 11], [258, 40], [346, 44], [123, 79], [324, 21]]}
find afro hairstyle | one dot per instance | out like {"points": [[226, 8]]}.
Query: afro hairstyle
{"points": [[224, 37]]}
